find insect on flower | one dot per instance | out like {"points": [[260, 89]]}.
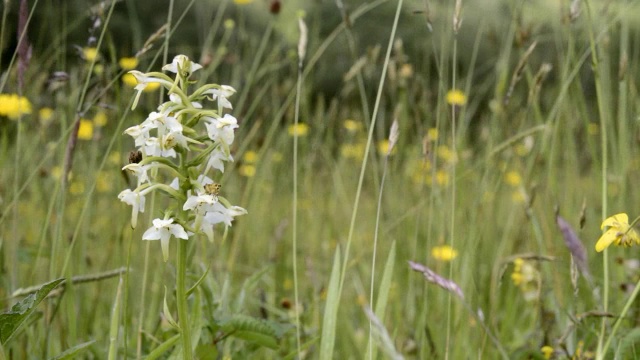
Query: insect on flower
{"points": [[213, 189]]}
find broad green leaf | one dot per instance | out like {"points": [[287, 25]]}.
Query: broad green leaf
{"points": [[257, 338], [258, 331], [10, 321]]}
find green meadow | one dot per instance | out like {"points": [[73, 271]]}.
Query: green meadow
{"points": [[275, 179]]}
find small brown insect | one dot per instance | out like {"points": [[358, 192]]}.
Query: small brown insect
{"points": [[213, 189], [135, 156]]}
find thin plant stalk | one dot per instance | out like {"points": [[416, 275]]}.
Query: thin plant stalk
{"points": [[452, 224], [302, 45], [375, 244], [604, 151], [181, 300]]}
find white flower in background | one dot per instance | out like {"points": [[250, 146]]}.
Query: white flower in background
{"points": [[182, 63], [221, 95], [221, 129], [221, 214], [140, 171], [216, 160], [162, 230], [199, 205], [134, 199], [163, 137], [143, 81], [177, 102], [139, 133], [153, 147]]}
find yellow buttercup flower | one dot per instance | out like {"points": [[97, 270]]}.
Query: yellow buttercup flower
{"points": [[46, 115], [250, 157], [432, 134], [128, 63], [456, 97], [547, 351], [90, 53], [513, 178], [618, 232], [247, 170], [444, 253], [100, 119], [85, 131], [299, 130], [13, 106], [352, 125]]}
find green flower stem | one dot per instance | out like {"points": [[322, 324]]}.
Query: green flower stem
{"points": [[616, 325], [183, 311]]}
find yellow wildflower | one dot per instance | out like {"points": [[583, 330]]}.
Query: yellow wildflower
{"points": [[128, 63], [100, 119], [85, 131], [547, 351], [406, 71], [98, 69], [46, 115], [247, 170], [90, 53], [383, 147], [299, 130], [446, 154], [76, 187], [229, 24], [243, 2], [353, 151], [250, 157], [442, 177], [432, 134], [618, 232], [444, 253], [513, 178], [526, 277], [352, 125], [13, 106], [456, 98]]}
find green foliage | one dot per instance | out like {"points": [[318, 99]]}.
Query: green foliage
{"points": [[330, 318], [75, 351], [11, 320], [253, 330], [528, 138], [629, 347]]}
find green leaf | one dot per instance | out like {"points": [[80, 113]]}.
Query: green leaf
{"points": [[383, 293], [206, 352], [257, 338], [331, 311], [629, 347], [163, 348], [75, 351], [258, 331], [10, 321]]}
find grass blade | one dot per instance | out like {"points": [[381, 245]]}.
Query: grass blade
{"points": [[331, 311]]}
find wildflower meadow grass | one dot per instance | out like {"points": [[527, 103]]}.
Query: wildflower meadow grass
{"points": [[319, 180]]}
